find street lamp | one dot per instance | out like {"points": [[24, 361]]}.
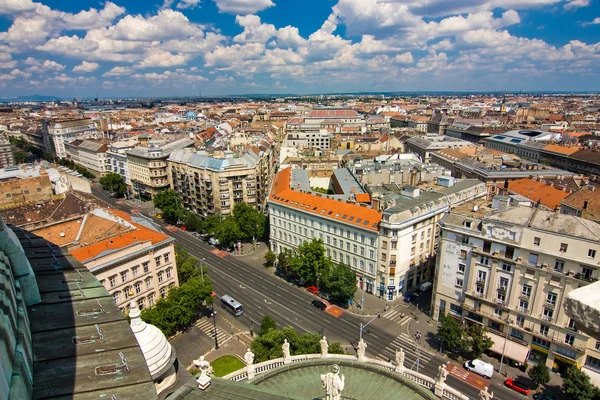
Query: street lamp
{"points": [[214, 315], [365, 325], [508, 321], [202, 268]]}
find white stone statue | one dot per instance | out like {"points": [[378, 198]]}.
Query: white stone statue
{"points": [[333, 384], [485, 395], [442, 374], [324, 346], [362, 348], [249, 357], [285, 347], [206, 370], [400, 359]]}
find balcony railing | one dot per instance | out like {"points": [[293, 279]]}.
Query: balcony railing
{"points": [[546, 317], [523, 310]]}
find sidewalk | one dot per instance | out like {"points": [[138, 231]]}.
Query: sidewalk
{"points": [[372, 306]]}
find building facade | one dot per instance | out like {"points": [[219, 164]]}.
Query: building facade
{"points": [[90, 154], [137, 265], [511, 271], [6, 154], [213, 185], [148, 166], [117, 158], [349, 231], [55, 133]]}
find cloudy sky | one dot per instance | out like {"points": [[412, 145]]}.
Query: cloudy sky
{"points": [[183, 47]]}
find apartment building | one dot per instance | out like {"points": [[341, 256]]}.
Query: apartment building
{"points": [[213, 185], [6, 155], [132, 261], [320, 139], [17, 188], [55, 133], [408, 231], [424, 145], [117, 157], [349, 231], [510, 271], [148, 166], [90, 154], [333, 120]]}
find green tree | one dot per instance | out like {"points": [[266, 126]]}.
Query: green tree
{"points": [[181, 307], [339, 281], [476, 338], [270, 258], [169, 205], [450, 334], [211, 223], [577, 385], [539, 374], [310, 260], [188, 266], [268, 346], [250, 222], [227, 232], [193, 222], [283, 260], [266, 324], [20, 157], [114, 183]]}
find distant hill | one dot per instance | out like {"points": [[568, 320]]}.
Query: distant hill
{"points": [[33, 97]]}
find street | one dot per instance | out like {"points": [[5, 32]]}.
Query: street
{"points": [[262, 293]]}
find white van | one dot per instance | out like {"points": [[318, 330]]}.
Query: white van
{"points": [[425, 286], [480, 367]]}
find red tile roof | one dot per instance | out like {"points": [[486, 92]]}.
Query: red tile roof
{"points": [[351, 214], [141, 234], [538, 191], [332, 114]]}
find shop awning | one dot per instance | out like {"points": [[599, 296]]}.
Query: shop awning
{"points": [[514, 350], [593, 374]]}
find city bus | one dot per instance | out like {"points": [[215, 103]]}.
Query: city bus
{"points": [[232, 305]]}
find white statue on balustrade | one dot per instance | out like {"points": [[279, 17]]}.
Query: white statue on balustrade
{"points": [[324, 347], [333, 384]]}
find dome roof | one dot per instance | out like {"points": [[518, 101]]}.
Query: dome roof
{"points": [[158, 353], [190, 114]]}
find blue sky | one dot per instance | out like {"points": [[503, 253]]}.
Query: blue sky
{"points": [[184, 47]]}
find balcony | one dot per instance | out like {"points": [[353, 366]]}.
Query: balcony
{"points": [[223, 188], [525, 296], [480, 282], [523, 310], [546, 317]]}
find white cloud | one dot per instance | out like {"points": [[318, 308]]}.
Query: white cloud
{"points": [[242, 7], [574, 4], [175, 78], [225, 56], [34, 27], [15, 73], [404, 58], [183, 4], [86, 67], [15, 6], [289, 36], [6, 61], [595, 21], [254, 31], [161, 58], [167, 24], [41, 67], [118, 71]]}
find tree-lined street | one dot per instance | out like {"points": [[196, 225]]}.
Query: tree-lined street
{"points": [[262, 293]]}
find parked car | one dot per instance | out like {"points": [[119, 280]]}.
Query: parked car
{"points": [[319, 304], [542, 396], [312, 289], [325, 296], [518, 386], [213, 241], [480, 367]]}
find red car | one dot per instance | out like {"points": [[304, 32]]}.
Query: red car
{"points": [[517, 386], [313, 289]]}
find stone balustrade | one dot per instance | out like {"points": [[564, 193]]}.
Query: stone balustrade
{"points": [[407, 374]]}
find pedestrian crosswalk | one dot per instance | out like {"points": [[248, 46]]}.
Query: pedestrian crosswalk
{"points": [[206, 325], [397, 316], [410, 350]]}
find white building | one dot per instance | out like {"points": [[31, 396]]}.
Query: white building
{"points": [[117, 157], [349, 231], [56, 133], [320, 139], [90, 154], [511, 271]]}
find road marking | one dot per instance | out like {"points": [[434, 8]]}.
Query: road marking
{"points": [[390, 314], [405, 321]]}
